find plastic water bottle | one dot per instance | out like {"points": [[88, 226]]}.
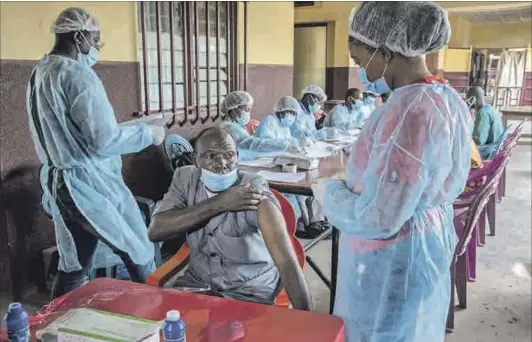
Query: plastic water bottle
{"points": [[16, 319], [174, 327]]}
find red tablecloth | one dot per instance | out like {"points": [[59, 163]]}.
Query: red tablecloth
{"points": [[207, 319]]}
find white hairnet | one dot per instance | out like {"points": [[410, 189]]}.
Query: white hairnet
{"points": [[287, 103], [410, 28], [75, 19], [236, 99], [316, 91]]}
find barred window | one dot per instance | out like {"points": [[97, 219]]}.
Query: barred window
{"points": [[187, 56]]}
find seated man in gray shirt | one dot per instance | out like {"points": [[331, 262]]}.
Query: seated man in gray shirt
{"points": [[239, 245]]}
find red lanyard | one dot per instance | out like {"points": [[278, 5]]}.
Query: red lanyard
{"points": [[431, 79]]}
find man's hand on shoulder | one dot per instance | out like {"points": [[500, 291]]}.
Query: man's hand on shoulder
{"points": [[239, 198]]}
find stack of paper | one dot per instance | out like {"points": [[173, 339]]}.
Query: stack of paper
{"points": [[261, 162], [95, 325]]}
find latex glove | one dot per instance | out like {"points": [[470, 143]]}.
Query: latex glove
{"points": [[157, 134], [159, 122], [305, 142], [318, 189], [332, 133]]}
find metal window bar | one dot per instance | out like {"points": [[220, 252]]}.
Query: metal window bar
{"points": [[228, 41], [159, 54], [234, 46], [186, 62], [191, 83], [245, 45], [145, 56], [172, 58], [208, 48], [196, 79], [218, 88]]}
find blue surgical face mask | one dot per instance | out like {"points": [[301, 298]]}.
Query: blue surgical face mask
{"points": [[314, 108], [370, 100], [288, 120], [218, 182], [378, 86], [356, 104], [90, 58], [244, 118]]}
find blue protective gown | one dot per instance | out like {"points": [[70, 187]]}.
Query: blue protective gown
{"points": [[395, 215], [305, 124], [365, 112], [250, 147], [270, 128], [305, 127], [489, 151], [341, 117], [488, 129], [77, 134]]}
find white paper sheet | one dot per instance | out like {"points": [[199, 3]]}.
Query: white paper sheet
{"points": [[261, 162], [80, 324], [282, 177]]}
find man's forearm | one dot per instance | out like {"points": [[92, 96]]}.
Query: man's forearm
{"points": [[175, 222], [278, 242], [295, 285]]}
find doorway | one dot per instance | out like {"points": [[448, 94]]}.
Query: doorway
{"points": [[310, 56]]}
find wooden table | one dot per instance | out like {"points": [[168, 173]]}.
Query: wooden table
{"points": [[207, 318], [517, 113], [328, 167]]}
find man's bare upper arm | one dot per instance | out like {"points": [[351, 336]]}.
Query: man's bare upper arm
{"points": [[273, 228]]}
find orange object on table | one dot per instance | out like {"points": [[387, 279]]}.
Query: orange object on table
{"points": [[252, 125], [207, 319]]}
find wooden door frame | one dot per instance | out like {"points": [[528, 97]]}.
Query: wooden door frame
{"points": [[318, 24]]}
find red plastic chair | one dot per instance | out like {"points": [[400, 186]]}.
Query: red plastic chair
{"points": [[252, 125], [175, 264]]}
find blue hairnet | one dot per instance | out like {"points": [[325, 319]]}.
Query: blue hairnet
{"points": [[316, 91], [236, 99], [76, 136], [251, 147], [411, 28], [75, 19], [287, 103], [395, 215]]}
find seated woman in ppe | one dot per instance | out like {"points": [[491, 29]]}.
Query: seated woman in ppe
{"points": [[347, 115], [276, 126], [236, 109], [368, 107], [411, 161], [79, 145], [488, 131], [311, 102]]}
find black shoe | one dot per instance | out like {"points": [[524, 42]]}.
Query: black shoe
{"points": [[313, 230]]}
